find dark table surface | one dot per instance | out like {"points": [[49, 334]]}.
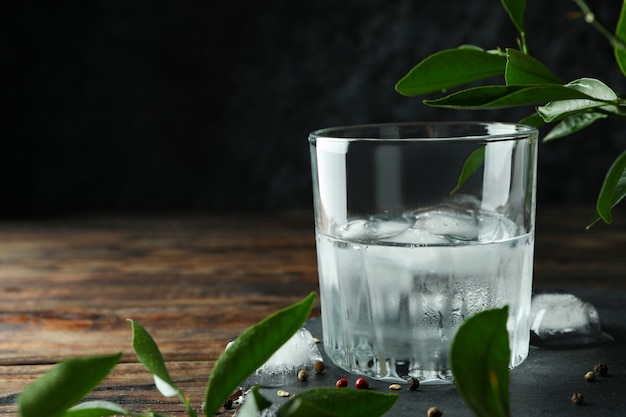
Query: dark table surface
{"points": [[68, 286], [542, 386]]}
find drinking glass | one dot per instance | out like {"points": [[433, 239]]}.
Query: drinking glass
{"points": [[419, 226]]}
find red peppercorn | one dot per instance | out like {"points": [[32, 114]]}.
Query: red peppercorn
{"points": [[361, 383], [342, 383]]}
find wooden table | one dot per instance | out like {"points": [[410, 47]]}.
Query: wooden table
{"points": [[68, 286]]}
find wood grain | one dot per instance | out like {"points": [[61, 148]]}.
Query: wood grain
{"points": [[68, 286]]}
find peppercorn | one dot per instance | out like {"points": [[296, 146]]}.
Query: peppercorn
{"points": [[413, 383], [341, 383], [434, 412], [361, 383], [577, 398], [303, 375], [601, 369], [319, 367], [590, 376]]}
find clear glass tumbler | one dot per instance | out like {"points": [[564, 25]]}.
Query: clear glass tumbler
{"points": [[418, 226]]}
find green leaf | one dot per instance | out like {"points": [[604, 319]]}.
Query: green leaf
{"points": [[523, 69], [620, 33], [96, 409], [254, 404], [613, 189], [600, 94], [299, 407], [573, 123], [563, 108], [64, 385], [150, 356], [450, 68], [593, 88], [515, 9], [333, 402], [499, 96], [251, 349], [472, 163], [479, 359]]}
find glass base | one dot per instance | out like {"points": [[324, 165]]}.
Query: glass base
{"points": [[391, 370]]}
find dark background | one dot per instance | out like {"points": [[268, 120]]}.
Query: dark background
{"points": [[141, 105]]}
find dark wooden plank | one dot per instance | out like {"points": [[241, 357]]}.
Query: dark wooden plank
{"points": [[68, 287], [128, 385]]}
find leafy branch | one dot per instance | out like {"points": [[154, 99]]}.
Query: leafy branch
{"points": [[572, 106]]}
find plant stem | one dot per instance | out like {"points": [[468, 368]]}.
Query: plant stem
{"points": [[522, 45], [590, 18], [190, 411]]}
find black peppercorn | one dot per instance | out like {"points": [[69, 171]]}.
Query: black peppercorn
{"points": [[228, 404], [413, 383], [577, 398], [601, 369], [433, 412], [319, 367]]}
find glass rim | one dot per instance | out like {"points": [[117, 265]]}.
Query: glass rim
{"points": [[516, 132]]}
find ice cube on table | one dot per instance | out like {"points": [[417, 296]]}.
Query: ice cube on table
{"points": [[562, 320], [299, 352]]}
